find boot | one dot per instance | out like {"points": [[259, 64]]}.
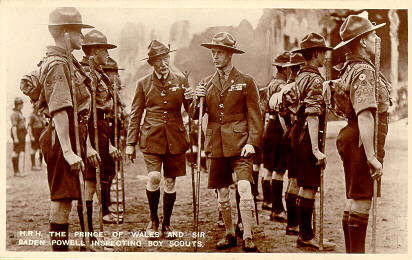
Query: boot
{"points": [[59, 242]]}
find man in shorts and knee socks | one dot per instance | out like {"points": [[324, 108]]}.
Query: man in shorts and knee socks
{"points": [[234, 129], [18, 134], [163, 139]]}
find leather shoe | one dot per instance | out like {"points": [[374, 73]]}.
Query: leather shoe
{"points": [[153, 230], [112, 219], [167, 232], [313, 244], [292, 231], [227, 242], [278, 217], [248, 245], [267, 206]]}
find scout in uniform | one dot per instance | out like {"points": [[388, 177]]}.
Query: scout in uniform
{"points": [[308, 159], [291, 194], [354, 96], [163, 139], [95, 44], [274, 154], [58, 141], [111, 70], [18, 134], [234, 129], [36, 125]]}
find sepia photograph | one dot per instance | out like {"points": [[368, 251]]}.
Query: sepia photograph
{"points": [[151, 129]]}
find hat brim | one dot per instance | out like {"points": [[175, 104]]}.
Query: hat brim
{"points": [[111, 68], [314, 47], [100, 45], [279, 64], [81, 25], [343, 43], [214, 45], [157, 55], [293, 64]]}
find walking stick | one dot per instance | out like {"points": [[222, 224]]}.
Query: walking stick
{"points": [[96, 138], [375, 182], [76, 134]]}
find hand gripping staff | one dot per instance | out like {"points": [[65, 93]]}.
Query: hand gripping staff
{"points": [[92, 66], [76, 132], [375, 139]]}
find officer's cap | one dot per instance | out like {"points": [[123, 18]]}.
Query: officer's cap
{"points": [[355, 26], [67, 16]]}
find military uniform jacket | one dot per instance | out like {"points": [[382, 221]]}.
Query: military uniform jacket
{"points": [[163, 126], [234, 114]]}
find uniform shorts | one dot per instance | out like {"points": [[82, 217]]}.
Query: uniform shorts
{"points": [[103, 134], [21, 145], [63, 183], [174, 165], [359, 183], [221, 169]]}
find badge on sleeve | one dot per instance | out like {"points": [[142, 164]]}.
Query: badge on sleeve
{"points": [[362, 76], [317, 81]]}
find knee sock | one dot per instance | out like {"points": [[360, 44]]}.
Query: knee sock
{"points": [[277, 189], [239, 216], [105, 191], [226, 210], [15, 161], [357, 224], [255, 191], [292, 210], [59, 242], [33, 159], [266, 191], [345, 222], [153, 198], [168, 203], [246, 211], [89, 209], [305, 209]]}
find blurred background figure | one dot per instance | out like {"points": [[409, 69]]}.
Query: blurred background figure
{"points": [[18, 134], [36, 125]]}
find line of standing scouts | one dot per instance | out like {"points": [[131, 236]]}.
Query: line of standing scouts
{"points": [[292, 136]]}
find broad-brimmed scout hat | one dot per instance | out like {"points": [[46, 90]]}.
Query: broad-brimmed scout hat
{"points": [[111, 64], [94, 38], [282, 59], [312, 40], [17, 101], [223, 40], [295, 59], [353, 27], [64, 16], [156, 49]]}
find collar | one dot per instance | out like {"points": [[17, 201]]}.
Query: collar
{"points": [[226, 70], [308, 68], [159, 76], [54, 50]]}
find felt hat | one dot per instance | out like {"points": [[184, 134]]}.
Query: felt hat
{"points": [[295, 59], [353, 27], [311, 41], [66, 16], [156, 49], [94, 38], [282, 59], [223, 40]]}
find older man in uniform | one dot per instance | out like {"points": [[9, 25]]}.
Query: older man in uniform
{"points": [[354, 96], [58, 142], [95, 45], [18, 134], [274, 154], [305, 139], [163, 139], [234, 130]]}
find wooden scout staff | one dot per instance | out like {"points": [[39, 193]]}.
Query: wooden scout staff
{"points": [[96, 137], [375, 182], [76, 134]]}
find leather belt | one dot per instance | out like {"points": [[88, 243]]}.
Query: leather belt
{"points": [[222, 118]]}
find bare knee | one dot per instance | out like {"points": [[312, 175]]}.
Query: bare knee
{"points": [[90, 189], [60, 211], [278, 176], [244, 189], [169, 185], [223, 195], [293, 186], [308, 193], [362, 205], [153, 181]]}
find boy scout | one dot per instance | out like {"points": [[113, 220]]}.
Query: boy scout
{"points": [[18, 134], [35, 126], [95, 44], [274, 155], [308, 159], [354, 96], [163, 139], [58, 141], [234, 129]]}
